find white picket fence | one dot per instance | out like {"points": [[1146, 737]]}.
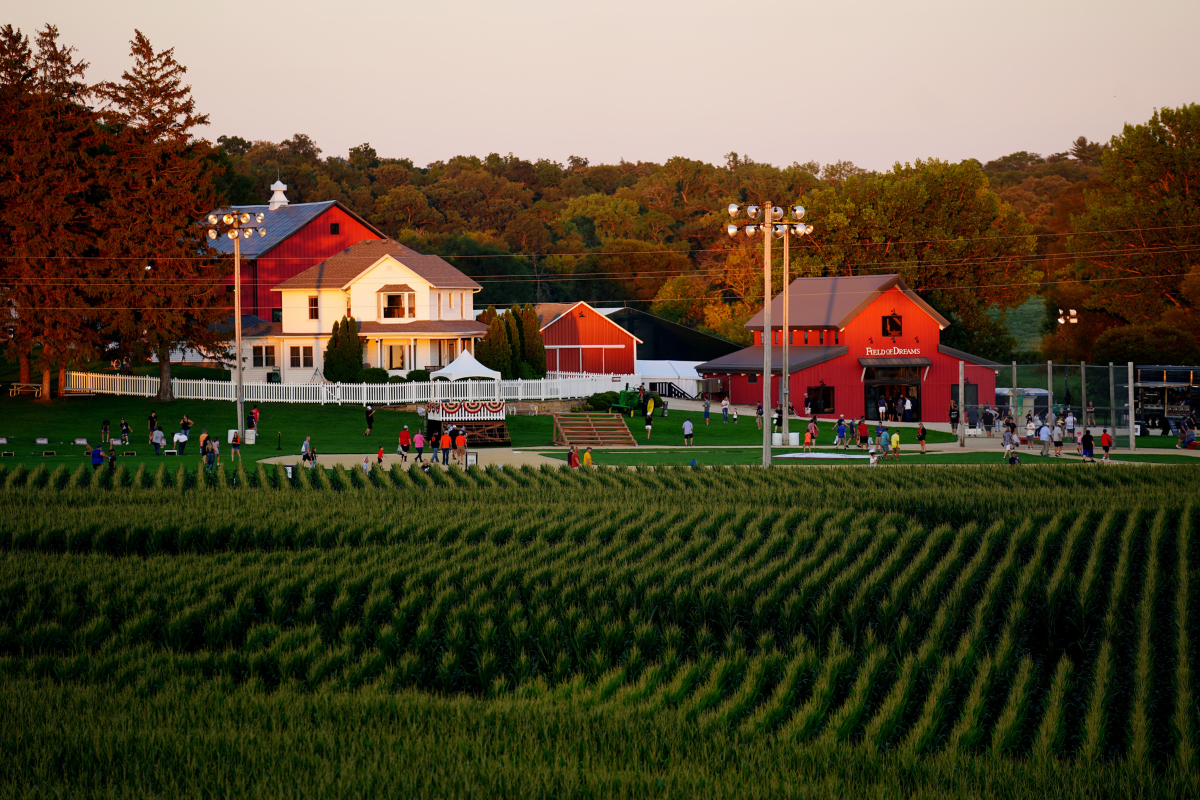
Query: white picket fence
{"points": [[557, 386]]}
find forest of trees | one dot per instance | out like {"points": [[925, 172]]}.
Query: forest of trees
{"points": [[101, 188]]}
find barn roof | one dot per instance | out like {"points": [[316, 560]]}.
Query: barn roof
{"points": [[281, 224], [749, 361], [832, 302], [550, 312], [341, 269]]}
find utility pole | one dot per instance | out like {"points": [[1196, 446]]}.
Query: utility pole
{"points": [[962, 404], [1132, 415], [767, 334], [785, 377]]}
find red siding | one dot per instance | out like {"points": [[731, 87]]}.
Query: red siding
{"points": [[310, 245], [582, 325], [844, 374]]}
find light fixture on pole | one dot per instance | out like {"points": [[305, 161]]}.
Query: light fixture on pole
{"points": [[771, 229], [1071, 317], [237, 226]]}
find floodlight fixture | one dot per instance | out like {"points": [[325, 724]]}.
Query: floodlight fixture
{"points": [[227, 219], [262, 232], [212, 219], [232, 233], [244, 218], [797, 212], [212, 234], [731, 229], [776, 213], [259, 217], [780, 231], [752, 212], [751, 230], [734, 210]]}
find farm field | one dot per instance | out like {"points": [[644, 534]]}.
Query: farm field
{"points": [[640, 632], [909, 456]]}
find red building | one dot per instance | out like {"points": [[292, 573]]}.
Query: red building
{"points": [[579, 338], [298, 236], [853, 341]]}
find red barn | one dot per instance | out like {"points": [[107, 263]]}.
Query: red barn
{"points": [[855, 340], [579, 338], [298, 236]]}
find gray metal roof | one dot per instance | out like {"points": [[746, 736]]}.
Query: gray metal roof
{"points": [[970, 359], [830, 303], [750, 360]]}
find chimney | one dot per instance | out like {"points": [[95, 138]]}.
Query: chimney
{"points": [[278, 199]]}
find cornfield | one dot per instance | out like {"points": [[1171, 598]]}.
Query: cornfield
{"points": [[958, 628]]}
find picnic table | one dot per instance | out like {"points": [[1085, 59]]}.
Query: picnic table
{"points": [[34, 389]]}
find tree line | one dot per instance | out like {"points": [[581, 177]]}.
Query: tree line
{"points": [[102, 188]]}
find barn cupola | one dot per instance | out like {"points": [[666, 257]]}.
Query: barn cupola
{"points": [[278, 199]]}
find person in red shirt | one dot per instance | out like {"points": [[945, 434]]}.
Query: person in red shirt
{"points": [[460, 448], [405, 442], [1106, 442], [864, 433], [445, 445], [379, 458]]}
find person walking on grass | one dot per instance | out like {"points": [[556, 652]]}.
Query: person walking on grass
{"points": [[735, 415], [419, 443], [587, 457], [1044, 438], [777, 420], [1069, 424], [921, 436], [204, 437], [1057, 436], [379, 456], [125, 432], [1079, 440], [724, 410], [687, 433], [444, 443], [1088, 445], [370, 420], [1106, 442], [882, 408], [235, 448], [758, 415], [460, 447], [405, 442], [97, 457], [104, 435], [649, 424], [840, 441], [254, 416], [152, 423], [706, 407], [1007, 442], [864, 434], [306, 446], [953, 417], [896, 446], [814, 430], [808, 441], [159, 441]]}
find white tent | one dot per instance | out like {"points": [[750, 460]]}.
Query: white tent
{"points": [[465, 366]]}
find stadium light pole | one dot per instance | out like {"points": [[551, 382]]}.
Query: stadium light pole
{"points": [[237, 226], [772, 226]]}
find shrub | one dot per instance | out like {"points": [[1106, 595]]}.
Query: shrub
{"points": [[602, 400], [397, 379], [417, 375], [373, 375]]}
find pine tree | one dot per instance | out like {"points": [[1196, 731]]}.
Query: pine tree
{"points": [[495, 351], [343, 356], [47, 184], [534, 352], [159, 182], [513, 329], [331, 361]]}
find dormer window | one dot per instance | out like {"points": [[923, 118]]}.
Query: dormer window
{"points": [[397, 301], [335, 228]]}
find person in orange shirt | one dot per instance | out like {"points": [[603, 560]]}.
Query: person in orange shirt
{"points": [[460, 448], [379, 458], [445, 445]]}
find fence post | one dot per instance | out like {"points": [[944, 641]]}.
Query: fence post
{"points": [[1012, 396], [1132, 436], [962, 404], [1049, 388], [204, 388], [1083, 391], [1112, 400]]}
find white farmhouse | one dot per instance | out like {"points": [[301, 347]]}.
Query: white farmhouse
{"points": [[414, 311]]}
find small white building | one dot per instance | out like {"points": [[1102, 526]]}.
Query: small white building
{"points": [[414, 311]]}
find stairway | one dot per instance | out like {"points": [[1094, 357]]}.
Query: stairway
{"points": [[592, 430]]}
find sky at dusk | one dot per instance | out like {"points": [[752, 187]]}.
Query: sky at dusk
{"points": [[865, 81]]}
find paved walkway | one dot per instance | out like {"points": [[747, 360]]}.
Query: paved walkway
{"points": [[500, 456]]}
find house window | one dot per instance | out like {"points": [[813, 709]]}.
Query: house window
{"points": [[836, 337], [451, 296], [308, 356], [264, 356], [393, 306], [822, 337], [312, 308], [752, 379], [294, 357], [893, 325], [412, 306], [334, 228], [276, 315], [806, 337]]}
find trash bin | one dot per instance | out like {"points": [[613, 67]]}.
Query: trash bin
{"points": [[777, 440], [793, 439]]}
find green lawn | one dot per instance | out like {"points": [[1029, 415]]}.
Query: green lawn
{"points": [[669, 430], [655, 457]]}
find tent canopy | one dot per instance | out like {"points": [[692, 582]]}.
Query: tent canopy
{"points": [[465, 366]]}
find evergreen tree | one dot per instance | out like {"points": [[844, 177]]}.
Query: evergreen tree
{"points": [[157, 173], [488, 315], [513, 329], [344, 355], [534, 349], [332, 360], [494, 350]]}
